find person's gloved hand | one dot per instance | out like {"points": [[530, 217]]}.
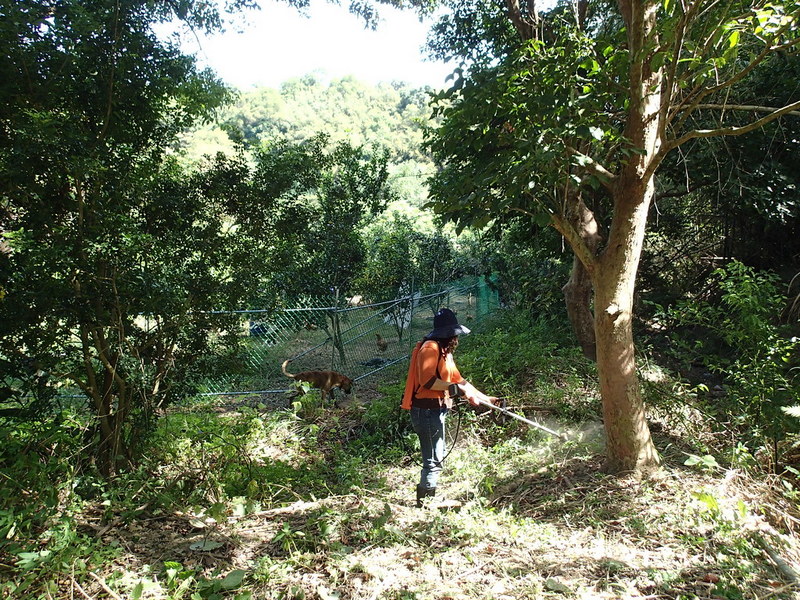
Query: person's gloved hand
{"points": [[464, 389], [474, 396]]}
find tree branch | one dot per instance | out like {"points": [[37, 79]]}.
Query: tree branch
{"points": [[576, 242], [768, 49], [112, 75], [670, 85], [730, 131], [747, 108], [525, 28], [592, 166], [683, 192]]}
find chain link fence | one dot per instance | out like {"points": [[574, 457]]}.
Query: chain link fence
{"points": [[345, 335]]}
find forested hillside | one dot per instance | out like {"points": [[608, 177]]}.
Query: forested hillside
{"points": [[623, 177], [388, 116]]}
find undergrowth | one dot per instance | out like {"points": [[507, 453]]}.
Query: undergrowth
{"points": [[234, 501]]}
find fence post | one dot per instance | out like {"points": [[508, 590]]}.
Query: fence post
{"points": [[337, 331]]}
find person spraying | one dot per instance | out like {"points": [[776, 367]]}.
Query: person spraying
{"points": [[433, 380]]}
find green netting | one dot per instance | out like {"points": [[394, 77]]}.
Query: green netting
{"points": [[329, 334]]}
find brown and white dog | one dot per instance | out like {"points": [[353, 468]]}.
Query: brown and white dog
{"points": [[324, 380]]}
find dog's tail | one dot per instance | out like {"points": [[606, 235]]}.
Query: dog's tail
{"points": [[283, 368]]}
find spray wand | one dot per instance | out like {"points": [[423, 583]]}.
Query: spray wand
{"points": [[457, 392], [519, 417]]}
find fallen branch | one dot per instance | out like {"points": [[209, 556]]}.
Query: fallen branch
{"points": [[296, 507], [777, 591], [105, 587], [783, 566], [463, 574], [82, 591], [100, 531]]}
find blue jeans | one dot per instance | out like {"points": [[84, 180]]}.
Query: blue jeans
{"points": [[428, 423]]}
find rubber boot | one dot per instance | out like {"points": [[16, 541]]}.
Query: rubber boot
{"points": [[423, 493]]}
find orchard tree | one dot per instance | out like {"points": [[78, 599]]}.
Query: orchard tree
{"points": [[567, 117], [317, 196], [314, 202], [111, 254], [403, 262], [114, 259], [390, 269]]}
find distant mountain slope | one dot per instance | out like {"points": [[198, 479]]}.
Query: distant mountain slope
{"points": [[389, 115]]}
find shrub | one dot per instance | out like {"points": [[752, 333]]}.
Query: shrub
{"points": [[736, 336]]}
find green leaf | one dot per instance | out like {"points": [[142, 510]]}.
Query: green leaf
{"points": [[710, 501], [217, 511], [706, 462], [741, 508], [205, 545], [29, 560], [658, 60], [137, 590], [233, 579], [554, 585], [172, 570]]}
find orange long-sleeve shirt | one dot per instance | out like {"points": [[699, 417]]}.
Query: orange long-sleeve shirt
{"points": [[432, 364], [427, 364]]}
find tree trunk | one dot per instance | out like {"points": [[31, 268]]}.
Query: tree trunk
{"points": [[578, 298], [578, 290], [629, 446]]}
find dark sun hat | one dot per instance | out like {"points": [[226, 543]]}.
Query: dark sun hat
{"points": [[445, 325]]}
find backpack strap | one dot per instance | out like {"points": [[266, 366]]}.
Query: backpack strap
{"points": [[411, 380], [412, 384]]}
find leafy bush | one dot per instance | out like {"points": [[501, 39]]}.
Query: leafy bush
{"points": [[736, 336], [37, 508], [531, 265], [385, 433], [520, 354]]}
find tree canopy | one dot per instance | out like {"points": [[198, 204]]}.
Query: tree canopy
{"points": [[116, 258], [569, 123]]}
